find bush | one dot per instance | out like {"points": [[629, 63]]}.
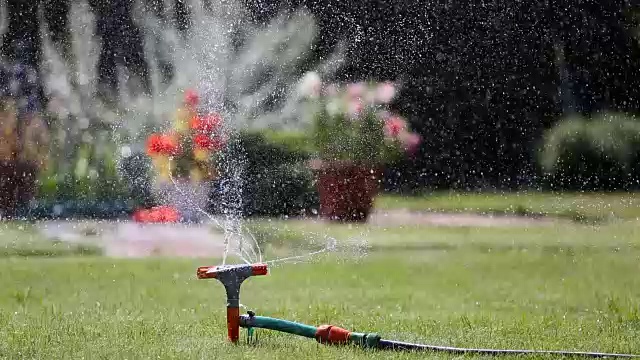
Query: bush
{"points": [[276, 181], [135, 171], [296, 143], [600, 153], [98, 186]]}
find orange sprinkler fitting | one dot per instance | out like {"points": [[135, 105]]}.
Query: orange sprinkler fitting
{"points": [[232, 276], [233, 324], [329, 334]]}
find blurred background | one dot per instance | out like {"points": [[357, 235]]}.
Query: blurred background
{"points": [[505, 96]]}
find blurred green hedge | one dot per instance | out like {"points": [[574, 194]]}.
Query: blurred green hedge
{"points": [[597, 153], [276, 182], [91, 186]]}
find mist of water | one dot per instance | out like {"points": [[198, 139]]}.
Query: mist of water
{"points": [[245, 71]]}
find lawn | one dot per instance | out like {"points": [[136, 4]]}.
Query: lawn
{"points": [[21, 239], [570, 287], [579, 206]]}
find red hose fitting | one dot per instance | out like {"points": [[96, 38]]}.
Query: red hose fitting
{"points": [[259, 269], [329, 334]]}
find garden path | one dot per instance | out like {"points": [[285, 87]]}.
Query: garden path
{"points": [[128, 239]]}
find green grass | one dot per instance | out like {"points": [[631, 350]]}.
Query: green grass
{"points": [[566, 287], [21, 239], [579, 206]]}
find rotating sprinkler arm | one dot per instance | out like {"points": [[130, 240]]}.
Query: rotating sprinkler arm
{"points": [[232, 276]]}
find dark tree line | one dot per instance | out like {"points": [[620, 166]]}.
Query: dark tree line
{"points": [[482, 80]]}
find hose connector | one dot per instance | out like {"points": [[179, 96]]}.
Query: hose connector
{"points": [[329, 334]]}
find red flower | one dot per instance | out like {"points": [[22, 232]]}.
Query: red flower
{"points": [[153, 144], [164, 214], [394, 126], [141, 216], [158, 214], [191, 98], [208, 142], [206, 124], [162, 144]]}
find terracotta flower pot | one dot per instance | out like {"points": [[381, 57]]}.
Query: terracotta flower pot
{"points": [[347, 190], [17, 185]]}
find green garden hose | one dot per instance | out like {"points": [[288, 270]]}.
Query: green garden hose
{"points": [[329, 334], [263, 322]]}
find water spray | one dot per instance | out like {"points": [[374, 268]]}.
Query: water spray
{"points": [[232, 276]]}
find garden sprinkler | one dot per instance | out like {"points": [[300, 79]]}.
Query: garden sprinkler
{"points": [[232, 276]]}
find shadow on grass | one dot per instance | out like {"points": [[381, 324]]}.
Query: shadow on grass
{"points": [[571, 215], [575, 216]]}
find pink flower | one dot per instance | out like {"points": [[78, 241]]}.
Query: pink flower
{"points": [[356, 90], [191, 98], [411, 142], [394, 126], [385, 92], [370, 96], [354, 107]]}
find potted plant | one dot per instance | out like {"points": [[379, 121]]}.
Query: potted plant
{"points": [[23, 153], [355, 135], [184, 158]]}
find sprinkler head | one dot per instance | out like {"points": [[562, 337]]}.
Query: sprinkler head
{"points": [[232, 276], [223, 272]]}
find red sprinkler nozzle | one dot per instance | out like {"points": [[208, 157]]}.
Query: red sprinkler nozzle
{"points": [[232, 276]]}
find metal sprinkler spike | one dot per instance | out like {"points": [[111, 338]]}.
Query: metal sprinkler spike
{"points": [[232, 276]]}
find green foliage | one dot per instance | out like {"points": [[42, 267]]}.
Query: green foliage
{"points": [[93, 177], [284, 189], [340, 137], [98, 184], [294, 141], [598, 153], [353, 122], [276, 179]]}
